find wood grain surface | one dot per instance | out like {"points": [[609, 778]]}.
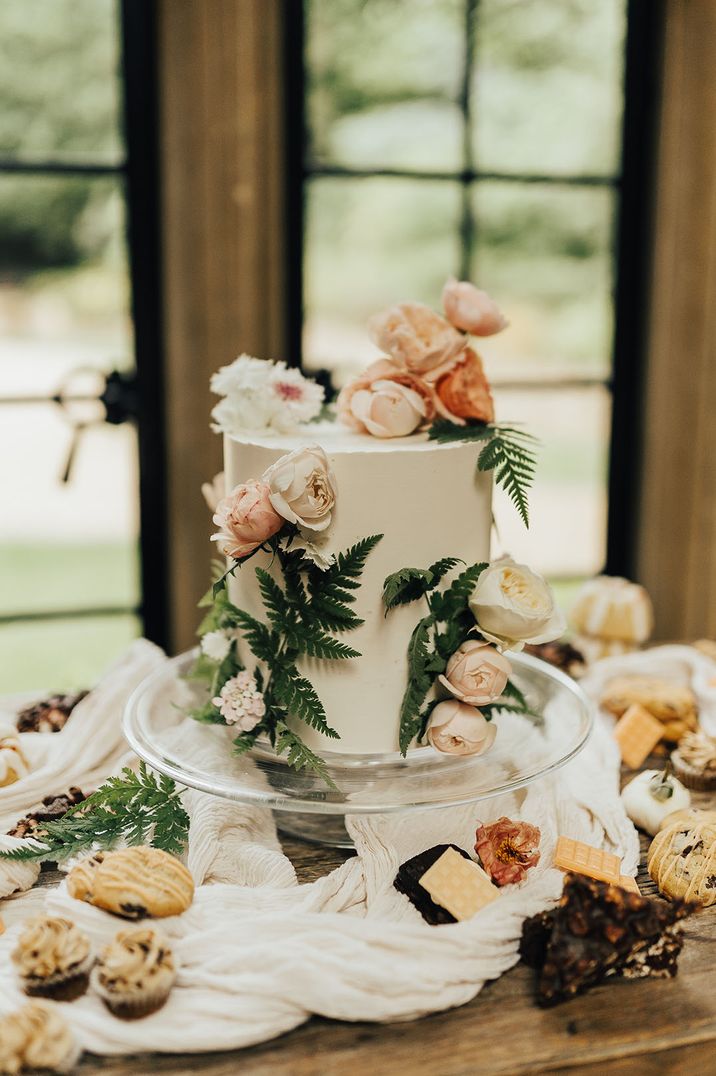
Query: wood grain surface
{"points": [[648, 1026]]}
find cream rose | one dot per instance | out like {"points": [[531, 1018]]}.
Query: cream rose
{"points": [[417, 338], [472, 310], [302, 488], [458, 729], [245, 518], [513, 605], [476, 673]]}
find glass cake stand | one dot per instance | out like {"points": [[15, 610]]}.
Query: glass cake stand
{"points": [[201, 756]]}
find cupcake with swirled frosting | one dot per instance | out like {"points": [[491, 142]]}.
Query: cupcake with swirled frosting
{"points": [[53, 959], [135, 973], [36, 1037], [694, 761]]}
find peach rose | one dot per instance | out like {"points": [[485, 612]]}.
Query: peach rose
{"points": [[417, 338], [386, 401], [464, 391], [476, 673], [458, 729], [471, 310], [246, 518]]}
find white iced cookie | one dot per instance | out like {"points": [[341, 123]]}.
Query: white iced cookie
{"points": [[13, 764], [651, 797]]}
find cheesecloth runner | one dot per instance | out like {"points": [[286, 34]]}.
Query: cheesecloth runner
{"points": [[258, 953]]}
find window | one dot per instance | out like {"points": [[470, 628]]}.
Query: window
{"points": [[69, 563], [479, 138]]}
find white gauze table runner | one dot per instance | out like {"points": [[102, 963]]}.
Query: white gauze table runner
{"points": [[259, 953]]}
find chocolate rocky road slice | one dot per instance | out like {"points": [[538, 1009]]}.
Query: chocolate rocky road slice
{"points": [[49, 715], [407, 881], [50, 810], [599, 930]]}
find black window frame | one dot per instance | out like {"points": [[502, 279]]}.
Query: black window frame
{"points": [[633, 184], [138, 170]]}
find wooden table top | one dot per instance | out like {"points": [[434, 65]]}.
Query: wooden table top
{"points": [[643, 1026]]}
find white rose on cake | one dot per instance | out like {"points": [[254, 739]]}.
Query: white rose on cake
{"points": [[263, 395], [302, 488], [513, 605]]}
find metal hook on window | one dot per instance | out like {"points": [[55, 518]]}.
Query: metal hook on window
{"points": [[116, 396]]}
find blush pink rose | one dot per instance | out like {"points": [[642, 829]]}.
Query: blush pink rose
{"points": [[458, 729], [245, 518], [464, 391], [386, 401], [471, 310], [417, 338], [476, 673]]}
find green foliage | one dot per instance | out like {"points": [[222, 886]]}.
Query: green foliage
{"points": [[435, 639], [298, 697], [405, 586], [509, 452], [420, 680], [139, 808], [301, 615], [299, 756], [409, 584], [447, 432]]}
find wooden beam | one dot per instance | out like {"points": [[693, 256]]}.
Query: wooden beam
{"points": [[676, 556], [221, 121]]}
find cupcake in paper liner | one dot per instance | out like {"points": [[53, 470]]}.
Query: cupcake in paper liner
{"points": [[53, 959], [135, 973], [694, 761], [36, 1037]]}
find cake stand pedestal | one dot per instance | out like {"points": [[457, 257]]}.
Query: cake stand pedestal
{"points": [[201, 756]]}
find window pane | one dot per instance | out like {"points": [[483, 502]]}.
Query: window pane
{"points": [[569, 498], [370, 243], [67, 546], [545, 253], [61, 655], [59, 80], [547, 93], [383, 79], [63, 281]]}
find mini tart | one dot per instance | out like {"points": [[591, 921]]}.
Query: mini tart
{"points": [[53, 959], [694, 761], [133, 882], [135, 973], [36, 1037]]}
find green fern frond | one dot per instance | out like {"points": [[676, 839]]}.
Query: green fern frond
{"points": [[510, 454], [299, 756], [298, 696]]}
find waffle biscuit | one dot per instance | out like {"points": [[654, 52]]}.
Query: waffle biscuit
{"points": [[458, 885], [637, 734], [674, 705], [571, 855]]}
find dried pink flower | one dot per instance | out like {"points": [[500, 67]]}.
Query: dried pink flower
{"points": [[507, 849]]}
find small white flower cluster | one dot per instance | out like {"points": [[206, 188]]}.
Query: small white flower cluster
{"points": [[262, 395], [216, 644], [240, 702]]}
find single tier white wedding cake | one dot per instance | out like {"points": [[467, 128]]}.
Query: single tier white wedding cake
{"points": [[357, 611], [426, 499]]}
